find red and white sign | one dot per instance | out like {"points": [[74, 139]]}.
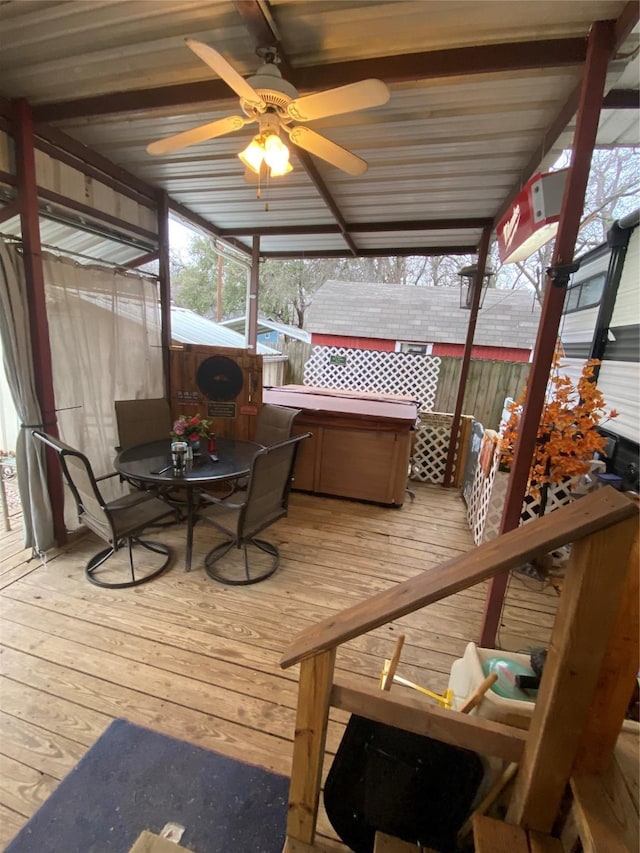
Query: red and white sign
{"points": [[533, 218]]}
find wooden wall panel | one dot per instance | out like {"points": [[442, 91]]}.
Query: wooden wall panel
{"points": [[235, 418]]}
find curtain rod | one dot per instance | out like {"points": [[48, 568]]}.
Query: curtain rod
{"points": [[12, 238]]}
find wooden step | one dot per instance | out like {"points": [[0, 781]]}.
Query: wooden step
{"points": [[389, 844], [495, 836]]}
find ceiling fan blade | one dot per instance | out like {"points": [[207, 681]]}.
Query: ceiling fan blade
{"points": [[197, 134], [327, 150], [226, 72], [344, 99]]}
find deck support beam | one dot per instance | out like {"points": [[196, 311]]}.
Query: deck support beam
{"points": [[27, 197], [600, 46]]}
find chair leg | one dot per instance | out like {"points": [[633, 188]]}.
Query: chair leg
{"points": [[218, 573], [102, 557]]}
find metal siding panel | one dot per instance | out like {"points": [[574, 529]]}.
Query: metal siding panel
{"points": [[620, 383], [627, 307]]}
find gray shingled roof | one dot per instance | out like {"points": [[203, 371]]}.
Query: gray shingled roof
{"points": [[509, 318]]}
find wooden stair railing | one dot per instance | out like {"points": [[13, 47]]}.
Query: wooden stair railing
{"points": [[583, 654]]}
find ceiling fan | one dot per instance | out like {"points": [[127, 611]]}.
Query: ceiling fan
{"points": [[271, 101]]}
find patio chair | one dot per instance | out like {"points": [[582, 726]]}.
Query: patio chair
{"points": [[119, 522], [139, 421], [274, 424], [267, 500]]}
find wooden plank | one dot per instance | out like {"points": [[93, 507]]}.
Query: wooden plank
{"points": [[415, 715], [388, 844], [588, 607], [10, 824], [617, 679], [495, 836], [592, 513], [172, 717], [28, 744], [294, 845], [539, 843], [22, 788], [606, 816], [316, 676]]}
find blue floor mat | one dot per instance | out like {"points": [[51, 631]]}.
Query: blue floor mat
{"points": [[134, 779]]}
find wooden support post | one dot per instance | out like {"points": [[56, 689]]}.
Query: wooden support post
{"points": [[316, 680], [34, 284], [466, 356], [595, 71], [616, 681], [590, 601], [164, 269], [252, 302]]}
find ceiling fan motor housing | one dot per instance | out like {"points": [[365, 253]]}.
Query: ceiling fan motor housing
{"points": [[272, 88]]}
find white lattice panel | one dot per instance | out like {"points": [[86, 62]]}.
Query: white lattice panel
{"points": [[558, 495], [495, 506], [405, 374], [431, 448], [480, 498]]}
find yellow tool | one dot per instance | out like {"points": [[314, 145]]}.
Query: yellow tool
{"points": [[389, 677]]}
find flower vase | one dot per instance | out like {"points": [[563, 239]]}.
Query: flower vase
{"points": [[194, 447]]}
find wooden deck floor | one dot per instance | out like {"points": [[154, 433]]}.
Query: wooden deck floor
{"points": [[199, 661]]}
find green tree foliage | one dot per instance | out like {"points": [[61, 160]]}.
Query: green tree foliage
{"points": [[194, 281]]}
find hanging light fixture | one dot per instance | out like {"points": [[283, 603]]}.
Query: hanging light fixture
{"points": [[269, 149], [468, 282]]}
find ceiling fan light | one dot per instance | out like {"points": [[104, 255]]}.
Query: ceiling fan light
{"points": [[253, 155], [276, 155], [278, 173]]}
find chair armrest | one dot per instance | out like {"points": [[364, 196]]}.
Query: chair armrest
{"points": [[107, 476], [220, 501]]}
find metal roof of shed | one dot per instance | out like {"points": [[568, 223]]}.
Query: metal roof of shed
{"points": [[188, 327], [476, 88]]}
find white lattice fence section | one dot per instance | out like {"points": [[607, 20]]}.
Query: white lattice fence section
{"points": [[486, 503], [404, 374], [431, 448], [480, 498]]}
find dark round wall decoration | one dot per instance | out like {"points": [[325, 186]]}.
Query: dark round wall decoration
{"points": [[219, 378]]}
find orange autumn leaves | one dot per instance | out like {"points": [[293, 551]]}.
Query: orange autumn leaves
{"points": [[567, 435]]}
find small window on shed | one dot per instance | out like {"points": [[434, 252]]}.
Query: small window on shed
{"points": [[414, 348]]}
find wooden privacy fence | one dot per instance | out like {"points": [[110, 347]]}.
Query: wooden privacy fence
{"points": [[488, 384], [586, 684]]}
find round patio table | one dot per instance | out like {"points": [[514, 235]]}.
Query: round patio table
{"points": [[151, 463]]}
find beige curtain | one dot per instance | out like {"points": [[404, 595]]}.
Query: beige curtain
{"points": [[104, 328], [18, 365]]}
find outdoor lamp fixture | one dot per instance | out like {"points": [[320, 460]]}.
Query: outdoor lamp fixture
{"points": [[269, 149], [533, 218], [468, 278]]}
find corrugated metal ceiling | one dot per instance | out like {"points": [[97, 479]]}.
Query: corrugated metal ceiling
{"points": [[443, 147]]}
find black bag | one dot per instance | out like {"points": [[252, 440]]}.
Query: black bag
{"points": [[389, 780]]}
